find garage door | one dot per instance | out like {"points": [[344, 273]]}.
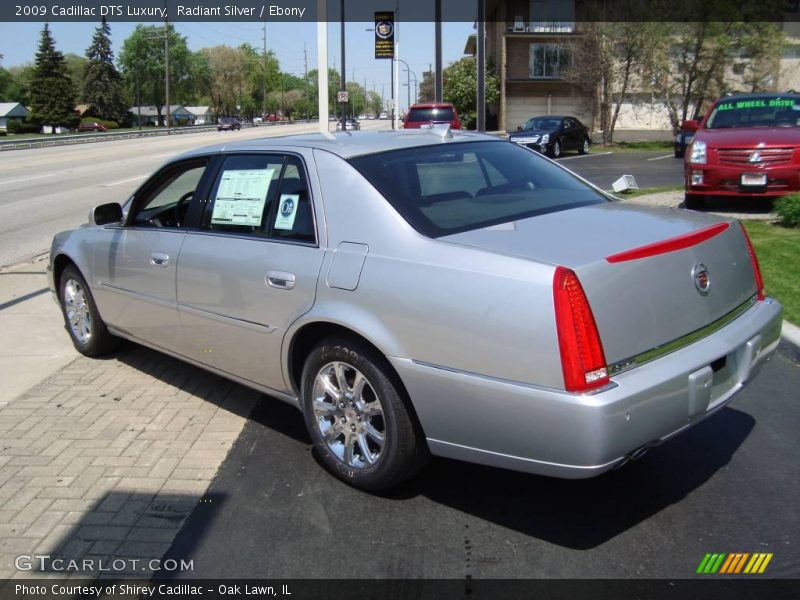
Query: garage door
{"points": [[520, 109]]}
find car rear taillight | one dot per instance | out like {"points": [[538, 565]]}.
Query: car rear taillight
{"points": [[582, 358], [754, 262]]}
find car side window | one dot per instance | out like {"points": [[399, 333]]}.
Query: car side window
{"points": [[263, 196], [293, 218], [242, 194], [166, 202]]}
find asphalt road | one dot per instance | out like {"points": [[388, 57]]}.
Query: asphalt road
{"points": [[47, 190], [650, 169], [728, 485]]}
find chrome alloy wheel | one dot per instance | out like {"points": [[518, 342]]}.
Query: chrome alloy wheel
{"points": [[76, 308], [349, 415]]}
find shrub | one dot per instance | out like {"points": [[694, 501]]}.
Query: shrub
{"points": [[12, 126], [788, 209], [2, 132]]}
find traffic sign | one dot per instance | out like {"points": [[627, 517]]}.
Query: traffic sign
{"points": [[343, 96]]}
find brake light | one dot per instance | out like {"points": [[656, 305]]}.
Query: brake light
{"points": [[582, 358], [754, 262]]}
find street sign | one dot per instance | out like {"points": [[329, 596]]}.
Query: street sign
{"points": [[343, 96], [384, 35]]}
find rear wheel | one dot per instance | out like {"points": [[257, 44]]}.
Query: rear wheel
{"points": [[86, 329], [584, 149], [694, 201], [357, 416]]}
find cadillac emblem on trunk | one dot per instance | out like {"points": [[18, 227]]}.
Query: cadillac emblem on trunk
{"points": [[700, 278]]}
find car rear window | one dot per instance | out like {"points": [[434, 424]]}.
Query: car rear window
{"points": [[446, 189], [767, 111], [430, 114]]}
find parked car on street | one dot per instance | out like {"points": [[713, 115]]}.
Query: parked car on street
{"points": [[92, 126], [350, 124], [437, 292], [431, 113], [552, 135], [383, 116], [229, 124], [747, 146]]}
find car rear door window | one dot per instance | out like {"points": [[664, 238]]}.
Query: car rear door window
{"points": [[263, 196]]}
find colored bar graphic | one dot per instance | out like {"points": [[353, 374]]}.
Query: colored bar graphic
{"points": [[723, 563]]}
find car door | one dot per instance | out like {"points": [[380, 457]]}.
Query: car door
{"points": [[252, 267], [134, 264], [568, 134]]}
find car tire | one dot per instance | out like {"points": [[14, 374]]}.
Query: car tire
{"points": [[584, 149], [694, 201], [86, 329], [556, 152], [358, 416]]}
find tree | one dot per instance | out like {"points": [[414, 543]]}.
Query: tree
{"points": [[427, 91], [374, 103], [142, 61], [460, 87], [6, 80], [102, 86], [610, 60], [226, 66], [52, 92], [19, 87]]}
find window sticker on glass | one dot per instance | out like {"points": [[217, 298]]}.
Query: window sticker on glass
{"points": [[241, 196], [287, 211]]}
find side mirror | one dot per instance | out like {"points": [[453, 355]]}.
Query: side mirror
{"points": [[105, 214]]}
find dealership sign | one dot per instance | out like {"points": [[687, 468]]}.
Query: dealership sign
{"points": [[384, 35]]}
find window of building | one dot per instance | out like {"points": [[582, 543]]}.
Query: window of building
{"points": [[548, 61], [791, 51]]}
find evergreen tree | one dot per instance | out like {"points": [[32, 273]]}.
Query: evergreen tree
{"points": [[102, 87], [52, 92]]}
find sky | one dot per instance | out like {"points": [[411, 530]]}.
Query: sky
{"points": [[18, 43]]}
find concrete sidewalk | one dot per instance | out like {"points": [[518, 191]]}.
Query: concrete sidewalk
{"points": [[100, 459]]}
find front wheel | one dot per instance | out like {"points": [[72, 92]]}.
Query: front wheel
{"points": [[357, 416], [86, 329]]}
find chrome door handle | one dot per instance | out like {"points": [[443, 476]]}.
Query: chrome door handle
{"points": [[159, 259], [280, 280]]}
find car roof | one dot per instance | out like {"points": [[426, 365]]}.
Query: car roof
{"points": [[349, 144]]}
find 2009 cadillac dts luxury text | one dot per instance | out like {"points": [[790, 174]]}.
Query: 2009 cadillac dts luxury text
{"points": [[427, 292]]}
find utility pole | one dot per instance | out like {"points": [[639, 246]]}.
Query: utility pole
{"points": [[322, 66], [396, 78], [481, 104], [264, 80], [437, 88], [166, 67], [305, 77]]}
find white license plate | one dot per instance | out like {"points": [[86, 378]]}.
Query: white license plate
{"points": [[754, 179]]}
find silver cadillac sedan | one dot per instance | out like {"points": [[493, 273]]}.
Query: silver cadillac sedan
{"points": [[427, 292]]}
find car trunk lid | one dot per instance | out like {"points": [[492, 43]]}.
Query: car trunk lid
{"points": [[639, 267]]}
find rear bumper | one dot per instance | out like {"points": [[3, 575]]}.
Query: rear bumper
{"points": [[724, 180], [550, 432]]}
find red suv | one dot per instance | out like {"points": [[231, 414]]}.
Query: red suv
{"points": [[747, 145], [431, 113]]}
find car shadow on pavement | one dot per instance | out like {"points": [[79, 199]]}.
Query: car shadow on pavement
{"points": [[582, 514]]}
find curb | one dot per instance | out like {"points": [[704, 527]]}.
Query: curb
{"points": [[790, 343]]}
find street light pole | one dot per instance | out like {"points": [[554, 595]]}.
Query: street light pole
{"points": [[408, 79], [343, 88]]}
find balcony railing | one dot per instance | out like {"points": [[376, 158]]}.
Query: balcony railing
{"points": [[519, 26]]}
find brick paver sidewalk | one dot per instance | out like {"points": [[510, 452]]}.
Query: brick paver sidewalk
{"points": [[107, 458]]}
